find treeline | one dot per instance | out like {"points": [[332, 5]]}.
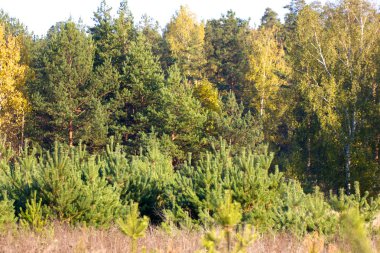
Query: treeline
{"points": [[307, 89]]}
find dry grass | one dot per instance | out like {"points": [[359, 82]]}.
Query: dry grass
{"points": [[73, 239]]}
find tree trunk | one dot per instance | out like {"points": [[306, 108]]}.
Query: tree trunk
{"points": [[347, 167], [351, 125], [377, 142], [71, 132], [22, 131], [308, 146], [262, 106], [377, 149]]}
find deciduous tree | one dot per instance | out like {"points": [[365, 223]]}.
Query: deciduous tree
{"points": [[13, 104]]}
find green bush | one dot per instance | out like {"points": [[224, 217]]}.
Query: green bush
{"points": [[354, 232], [67, 181], [302, 213], [200, 188], [34, 216], [133, 226], [71, 185], [7, 213], [146, 178], [367, 206]]}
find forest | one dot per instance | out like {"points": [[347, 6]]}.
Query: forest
{"points": [[215, 127]]}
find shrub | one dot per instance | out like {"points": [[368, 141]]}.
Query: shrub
{"points": [[7, 213], [33, 217], [200, 188], [354, 232], [134, 226]]}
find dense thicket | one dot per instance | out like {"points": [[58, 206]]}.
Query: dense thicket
{"points": [[70, 185], [196, 108]]}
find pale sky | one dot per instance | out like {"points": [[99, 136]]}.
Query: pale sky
{"points": [[40, 15]]}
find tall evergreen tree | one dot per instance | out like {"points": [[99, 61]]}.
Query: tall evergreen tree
{"points": [[141, 82], [103, 34], [226, 53], [112, 36], [270, 19], [179, 115], [151, 30], [64, 98]]}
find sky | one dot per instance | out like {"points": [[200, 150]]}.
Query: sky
{"points": [[40, 15]]}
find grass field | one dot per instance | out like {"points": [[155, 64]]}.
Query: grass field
{"points": [[62, 238]]}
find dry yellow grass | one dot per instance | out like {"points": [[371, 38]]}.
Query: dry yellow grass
{"points": [[61, 238]]}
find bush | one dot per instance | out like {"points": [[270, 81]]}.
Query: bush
{"points": [[200, 188], [70, 185], [146, 178], [7, 213]]}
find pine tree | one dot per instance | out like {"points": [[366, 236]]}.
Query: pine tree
{"points": [[146, 178], [134, 227], [236, 125], [152, 32], [33, 216], [228, 215], [270, 19], [66, 66], [103, 34], [179, 114], [66, 99], [354, 232], [140, 87], [7, 213], [225, 47], [201, 187]]}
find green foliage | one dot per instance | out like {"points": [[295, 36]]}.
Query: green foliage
{"points": [[226, 47], [7, 213], [354, 231], [270, 19], [367, 206], [64, 96], [33, 217], [246, 174], [100, 201], [133, 226], [221, 188], [213, 241], [302, 213], [244, 238], [112, 36], [180, 115], [193, 108], [228, 214], [145, 178], [239, 127], [67, 181], [140, 85]]}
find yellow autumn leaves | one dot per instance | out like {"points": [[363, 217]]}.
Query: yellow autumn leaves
{"points": [[186, 38], [13, 103], [266, 67]]}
